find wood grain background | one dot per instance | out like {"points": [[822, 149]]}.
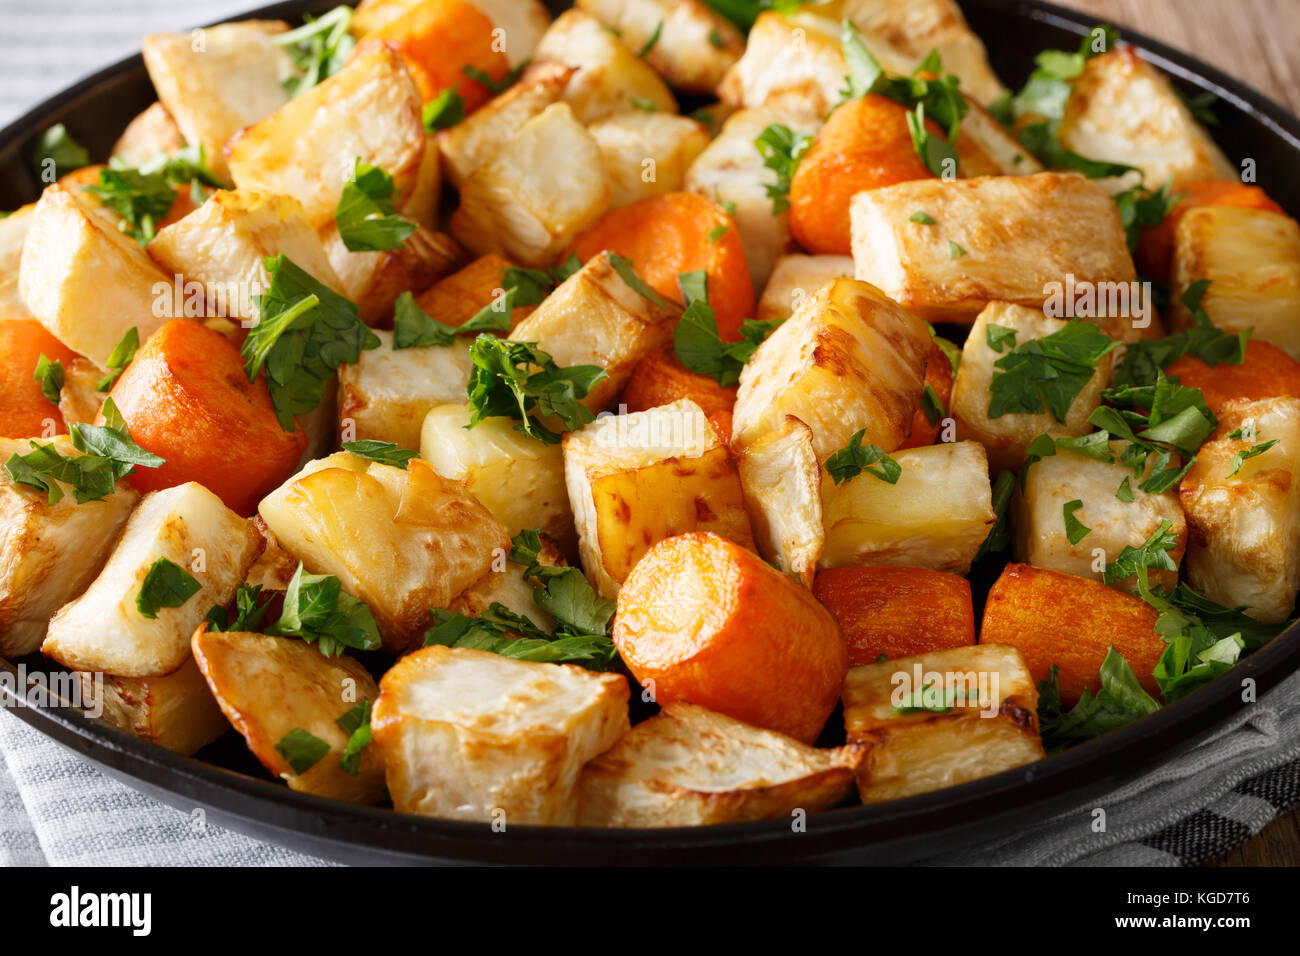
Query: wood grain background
{"points": [[1257, 42]]}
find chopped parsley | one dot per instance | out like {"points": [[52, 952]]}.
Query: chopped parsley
{"points": [[302, 750], [166, 584], [1048, 373], [1152, 553], [955, 251], [855, 458], [415, 328], [650, 43], [1241, 457], [518, 380], [365, 216], [318, 610], [384, 452], [318, 48], [249, 611], [118, 359], [921, 217], [1075, 530], [999, 536], [356, 724], [781, 149], [143, 196], [1120, 701], [1144, 359], [1141, 208], [697, 342], [443, 111], [50, 376], [999, 337]]}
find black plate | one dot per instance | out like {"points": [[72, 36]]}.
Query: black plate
{"points": [[96, 110]]}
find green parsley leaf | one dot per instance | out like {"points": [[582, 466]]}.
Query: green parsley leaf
{"points": [[1242, 456], [855, 458], [121, 356], [91, 477], [716, 40], [922, 218], [356, 724], [999, 337], [650, 43], [1095, 445], [166, 584], [933, 698], [443, 111], [141, 199], [1120, 701], [699, 345], [318, 610], [1075, 530], [113, 442], [782, 149], [50, 376], [318, 48], [534, 285], [1125, 491], [302, 750], [304, 332], [999, 536], [365, 215], [415, 328], [931, 405], [518, 380], [955, 251], [384, 452], [57, 144], [1140, 208], [1153, 553], [643, 104], [627, 272], [249, 611], [716, 233], [1049, 372], [495, 87], [1202, 106]]}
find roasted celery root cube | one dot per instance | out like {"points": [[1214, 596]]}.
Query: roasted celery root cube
{"points": [[848, 359], [731, 172], [374, 280], [596, 318], [796, 56], [368, 111], [49, 554], [647, 154], [105, 630], [85, 279], [270, 686], [475, 736], [936, 516], [689, 766], [693, 46], [215, 83], [153, 131], [795, 278], [176, 711], [991, 726], [1056, 618], [505, 584], [223, 245], [897, 612], [995, 239], [401, 541], [545, 186], [1040, 532], [482, 135], [1006, 437], [517, 478], [1244, 530], [1123, 110], [636, 479], [522, 22], [13, 233], [1252, 259], [386, 393], [781, 481], [610, 77]]}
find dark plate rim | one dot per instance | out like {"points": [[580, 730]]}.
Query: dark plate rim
{"points": [[292, 817]]}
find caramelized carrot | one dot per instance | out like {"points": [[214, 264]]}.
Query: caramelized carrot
{"points": [[667, 235], [661, 379], [1267, 372], [865, 144], [1055, 618], [1155, 252], [25, 412], [938, 375], [897, 611], [462, 295], [440, 40], [185, 397], [704, 620]]}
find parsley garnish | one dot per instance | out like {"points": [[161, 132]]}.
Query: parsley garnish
{"points": [[143, 196], [304, 332], [933, 698], [999, 536], [1125, 491], [1140, 208], [249, 611], [518, 380], [301, 749], [443, 112], [855, 458], [955, 251], [121, 356], [781, 149], [1152, 553], [384, 452], [356, 724], [415, 328], [999, 337], [365, 216], [166, 584], [1144, 359], [654, 38], [57, 145], [495, 87], [697, 342], [318, 610], [1241, 457], [318, 48], [1075, 530], [921, 217], [1120, 701], [50, 377], [1201, 105], [1048, 373], [534, 285], [931, 406]]}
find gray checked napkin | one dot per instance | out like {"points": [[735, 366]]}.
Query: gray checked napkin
{"points": [[56, 809]]}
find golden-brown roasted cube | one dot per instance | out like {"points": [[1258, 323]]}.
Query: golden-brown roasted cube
{"points": [[85, 280], [1252, 259], [936, 516], [636, 479], [517, 478], [732, 173], [13, 233], [996, 238], [269, 687], [152, 132], [402, 541], [686, 42], [105, 629], [1243, 529], [848, 359], [545, 186], [374, 280], [386, 392], [214, 82], [795, 278], [610, 77], [596, 318], [781, 481], [1040, 533], [176, 711], [369, 111], [796, 56], [688, 766], [647, 154], [1006, 437], [939, 719], [475, 736], [49, 553], [223, 245], [1122, 110]]}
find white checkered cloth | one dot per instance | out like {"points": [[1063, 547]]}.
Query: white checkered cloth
{"points": [[56, 809]]}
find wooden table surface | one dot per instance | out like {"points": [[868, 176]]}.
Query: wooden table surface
{"points": [[1255, 41]]}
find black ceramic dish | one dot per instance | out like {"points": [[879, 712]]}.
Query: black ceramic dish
{"points": [[244, 799]]}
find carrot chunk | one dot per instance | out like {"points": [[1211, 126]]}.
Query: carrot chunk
{"points": [[463, 294], [1055, 618], [25, 412], [673, 233], [703, 620], [185, 397], [661, 379], [897, 611], [1267, 372]]}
